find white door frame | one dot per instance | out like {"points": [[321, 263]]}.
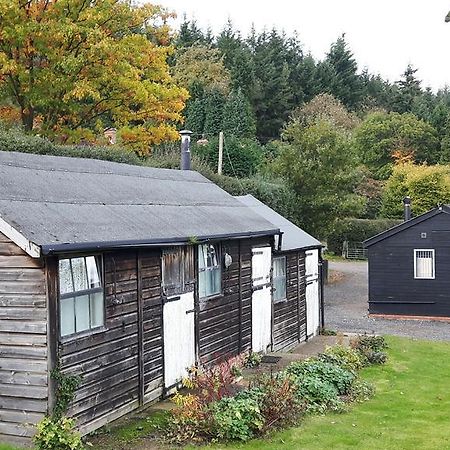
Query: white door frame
{"points": [[312, 279], [261, 298]]}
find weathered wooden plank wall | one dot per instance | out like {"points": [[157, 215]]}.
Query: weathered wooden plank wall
{"points": [[112, 373], [23, 343], [225, 320], [290, 314]]}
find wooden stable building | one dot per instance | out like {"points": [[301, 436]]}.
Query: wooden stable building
{"points": [[409, 267], [127, 276]]}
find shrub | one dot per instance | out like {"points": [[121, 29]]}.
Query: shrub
{"points": [[356, 230], [16, 141], [236, 418], [361, 391], [318, 395], [345, 357], [371, 349], [253, 360], [280, 404], [333, 374], [57, 435]]}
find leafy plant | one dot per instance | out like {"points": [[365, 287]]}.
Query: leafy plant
{"points": [[333, 374], [236, 418], [361, 391], [371, 349], [66, 385], [318, 395], [253, 359], [57, 434], [345, 357]]}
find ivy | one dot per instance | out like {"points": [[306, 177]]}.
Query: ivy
{"points": [[66, 385]]}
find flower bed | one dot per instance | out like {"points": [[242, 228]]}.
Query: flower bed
{"points": [[219, 407]]}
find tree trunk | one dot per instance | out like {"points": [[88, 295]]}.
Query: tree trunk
{"points": [[27, 115]]}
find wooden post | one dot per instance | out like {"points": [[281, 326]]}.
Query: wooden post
{"points": [[219, 165]]}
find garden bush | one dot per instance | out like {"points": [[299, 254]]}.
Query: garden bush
{"points": [[371, 349], [57, 434], [344, 357], [356, 230], [361, 391], [235, 418]]}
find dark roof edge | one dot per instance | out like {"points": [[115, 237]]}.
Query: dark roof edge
{"points": [[297, 249], [52, 249], [405, 225]]}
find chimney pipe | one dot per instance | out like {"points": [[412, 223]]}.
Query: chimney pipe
{"points": [[407, 208], [185, 149]]}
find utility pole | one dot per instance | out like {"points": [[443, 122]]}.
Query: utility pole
{"points": [[219, 165]]}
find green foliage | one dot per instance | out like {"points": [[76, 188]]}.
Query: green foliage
{"points": [[428, 186], [320, 167], [238, 117], [319, 395], [236, 418], [408, 91], [66, 385], [333, 374], [17, 141], [345, 357], [371, 349], [241, 156], [383, 138], [57, 434], [253, 359], [214, 104], [361, 391], [356, 230]]}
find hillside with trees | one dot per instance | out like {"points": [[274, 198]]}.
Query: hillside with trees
{"points": [[318, 140]]}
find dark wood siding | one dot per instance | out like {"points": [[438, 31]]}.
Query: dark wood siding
{"points": [[114, 378], [392, 287], [289, 321], [23, 343], [225, 322]]}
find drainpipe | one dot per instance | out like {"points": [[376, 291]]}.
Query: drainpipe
{"points": [[185, 149], [407, 208]]}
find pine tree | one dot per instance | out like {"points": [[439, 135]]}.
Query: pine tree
{"points": [[238, 119], [214, 104], [189, 34], [346, 84], [408, 89]]}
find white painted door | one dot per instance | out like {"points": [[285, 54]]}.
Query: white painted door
{"points": [[179, 337], [261, 299], [312, 292]]}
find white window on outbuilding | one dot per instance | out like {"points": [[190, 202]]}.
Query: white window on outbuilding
{"points": [[424, 264], [279, 278], [81, 298], [209, 270]]}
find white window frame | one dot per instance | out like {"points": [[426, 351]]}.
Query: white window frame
{"points": [[210, 269], [78, 293], [284, 259], [416, 250]]}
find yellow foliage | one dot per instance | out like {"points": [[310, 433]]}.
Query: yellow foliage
{"points": [[81, 64]]}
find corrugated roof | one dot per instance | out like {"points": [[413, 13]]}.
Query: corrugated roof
{"points": [[293, 237], [58, 201]]}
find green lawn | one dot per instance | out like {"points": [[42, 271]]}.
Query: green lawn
{"points": [[411, 409]]}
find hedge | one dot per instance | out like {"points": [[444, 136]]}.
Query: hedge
{"points": [[356, 230], [16, 141]]}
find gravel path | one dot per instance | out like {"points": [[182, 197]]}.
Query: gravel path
{"points": [[346, 308]]}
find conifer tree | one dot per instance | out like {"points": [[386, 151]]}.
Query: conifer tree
{"points": [[408, 90], [214, 104], [238, 117]]}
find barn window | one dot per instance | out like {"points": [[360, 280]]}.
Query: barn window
{"points": [[209, 270], [279, 278], [177, 270], [81, 294], [424, 264]]}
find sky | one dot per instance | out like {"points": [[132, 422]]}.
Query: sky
{"points": [[384, 35]]}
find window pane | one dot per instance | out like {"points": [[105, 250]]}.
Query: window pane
{"points": [[79, 274], [215, 281], [65, 277], [202, 256], [172, 271], [424, 264], [97, 310], [209, 270], [202, 284], [92, 272], [82, 313], [67, 316]]}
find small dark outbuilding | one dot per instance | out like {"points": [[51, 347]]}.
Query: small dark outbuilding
{"points": [[409, 267]]}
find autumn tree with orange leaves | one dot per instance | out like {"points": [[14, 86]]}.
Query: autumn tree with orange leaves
{"points": [[73, 67]]}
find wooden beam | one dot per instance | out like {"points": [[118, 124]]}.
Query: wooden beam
{"points": [[19, 239]]}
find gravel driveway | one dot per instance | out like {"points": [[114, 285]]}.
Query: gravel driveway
{"points": [[346, 308]]}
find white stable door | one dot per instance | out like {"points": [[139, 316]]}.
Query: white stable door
{"points": [[312, 292], [261, 299], [179, 337]]}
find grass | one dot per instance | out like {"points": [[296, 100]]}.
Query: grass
{"points": [[410, 410]]}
